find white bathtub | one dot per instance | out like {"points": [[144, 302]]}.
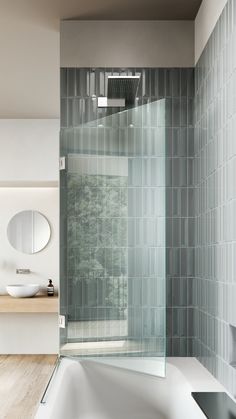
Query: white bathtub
{"points": [[91, 390]]}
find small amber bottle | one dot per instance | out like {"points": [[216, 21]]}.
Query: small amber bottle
{"points": [[50, 289]]}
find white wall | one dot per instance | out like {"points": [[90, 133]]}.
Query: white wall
{"points": [[29, 333], [29, 157], [30, 59], [29, 51], [205, 22], [127, 44], [44, 264], [29, 151]]}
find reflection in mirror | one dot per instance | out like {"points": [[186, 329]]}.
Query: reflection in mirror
{"points": [[28, 231]]}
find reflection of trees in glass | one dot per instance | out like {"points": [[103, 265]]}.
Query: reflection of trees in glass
{"points": [[97, 239]]}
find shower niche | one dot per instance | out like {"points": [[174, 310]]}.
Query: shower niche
{"points": [[112, 216], [232, 345]]}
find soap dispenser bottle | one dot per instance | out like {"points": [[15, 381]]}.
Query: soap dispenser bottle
{"points": [[50, 288]]}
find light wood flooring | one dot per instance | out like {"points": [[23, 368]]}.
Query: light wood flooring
{"points": [[23, 379]]}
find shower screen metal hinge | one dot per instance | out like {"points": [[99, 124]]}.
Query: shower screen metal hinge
{"points": [[62, 163], [62, 321]]}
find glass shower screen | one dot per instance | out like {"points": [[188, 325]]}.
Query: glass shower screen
{"points": [[113, 240]]}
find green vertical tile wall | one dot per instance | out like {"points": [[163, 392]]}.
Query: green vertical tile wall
{"points": [[79, 89], [214, 287]]}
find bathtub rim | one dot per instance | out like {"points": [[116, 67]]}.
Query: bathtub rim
{"points": [[174, 366], [107, 363]]}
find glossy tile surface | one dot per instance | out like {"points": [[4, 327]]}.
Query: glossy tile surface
{"points": [[214, 286], [79, 89]]}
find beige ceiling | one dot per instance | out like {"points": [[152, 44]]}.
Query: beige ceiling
{"points": [[102, 9], [29, 45], [131, 9]]}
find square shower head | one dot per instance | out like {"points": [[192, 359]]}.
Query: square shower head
{"points": [[123, 87]]}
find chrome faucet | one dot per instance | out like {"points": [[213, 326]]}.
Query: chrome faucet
{"points": [[23, 271]]}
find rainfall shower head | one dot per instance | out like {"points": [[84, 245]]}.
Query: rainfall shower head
{"points": [[123, 87]]}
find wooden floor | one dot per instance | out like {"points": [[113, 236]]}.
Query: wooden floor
{"points": [[23, 379]]}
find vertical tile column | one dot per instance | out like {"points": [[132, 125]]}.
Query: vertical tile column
{"points": [[180, 211]]}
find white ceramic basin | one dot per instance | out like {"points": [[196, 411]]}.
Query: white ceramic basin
{"points": [[22, 290]]}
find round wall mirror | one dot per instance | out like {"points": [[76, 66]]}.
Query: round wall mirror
{"points": [[28, 231]]}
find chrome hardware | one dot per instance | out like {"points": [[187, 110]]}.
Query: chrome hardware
{"points": [[62, 163], [23, 271], [104, 102]]}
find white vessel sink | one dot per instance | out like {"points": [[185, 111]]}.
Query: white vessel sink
{"points": [[22, 290]]}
